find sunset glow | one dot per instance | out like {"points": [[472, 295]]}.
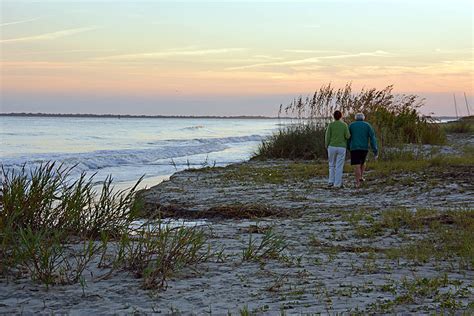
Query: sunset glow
{"points": [[209, 49]]}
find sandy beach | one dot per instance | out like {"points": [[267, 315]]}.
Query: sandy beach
{"points": [[342, 253]]}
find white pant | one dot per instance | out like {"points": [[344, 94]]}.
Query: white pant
{"points": [[337, 156]]}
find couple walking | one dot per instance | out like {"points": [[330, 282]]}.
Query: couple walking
{"points": [[356, 138]]}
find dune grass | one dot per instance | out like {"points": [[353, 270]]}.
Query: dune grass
{"points": [[395, 118]]}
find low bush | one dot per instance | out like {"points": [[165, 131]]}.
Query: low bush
{"points": [[299, 141]]}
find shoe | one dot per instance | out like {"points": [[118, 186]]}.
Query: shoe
{"points": [[362, 179], [339, 187], [330, 185]]}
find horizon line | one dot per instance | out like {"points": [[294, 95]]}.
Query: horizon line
{"points": [[110, 115]]}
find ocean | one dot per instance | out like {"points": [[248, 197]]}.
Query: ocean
{"points": [[128, 148]]}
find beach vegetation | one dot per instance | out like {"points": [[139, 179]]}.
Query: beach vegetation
{"points": [[439, 235], [225, 211], [49, 198], [304, 140], [270, 246], [464, 125], [49, 260], [395, 118], [418, 289], [53, 225], [155, 252]]}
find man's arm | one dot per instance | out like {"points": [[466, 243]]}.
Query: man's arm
{"points": [[373, 141]]}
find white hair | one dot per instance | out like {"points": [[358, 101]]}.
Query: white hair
{"points": [[360, 117]]}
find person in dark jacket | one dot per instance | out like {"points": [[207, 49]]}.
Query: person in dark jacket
{"points": [[361, 134]]}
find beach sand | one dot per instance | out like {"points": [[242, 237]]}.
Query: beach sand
{"points": [[334, 260]]}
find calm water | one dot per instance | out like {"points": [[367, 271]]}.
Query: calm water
{"points": [[129, 148]]}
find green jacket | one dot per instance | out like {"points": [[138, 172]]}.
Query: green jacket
{"points": [[337, 134], [361, 133]]}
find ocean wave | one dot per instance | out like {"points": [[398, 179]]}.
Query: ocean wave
{"points": [[96, 160], [214, 140], [191, 128]]}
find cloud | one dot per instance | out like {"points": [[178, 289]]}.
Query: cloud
{"points": [[19, 22], [313, 60], [378, 53], [70, 51], [172, 53], [457, 68], [314, 51], [48, 36]]}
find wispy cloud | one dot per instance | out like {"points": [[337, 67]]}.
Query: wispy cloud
{"points": [[19, 22], [70, 51], [313, 60], [172, 53], [314, 51], [377, 53], [48, 36]]}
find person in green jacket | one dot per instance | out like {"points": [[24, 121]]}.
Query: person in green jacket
{"points": [[361, 134], [337, 135]]}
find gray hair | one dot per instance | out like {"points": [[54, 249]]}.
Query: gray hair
{"points": [[360, 117]]}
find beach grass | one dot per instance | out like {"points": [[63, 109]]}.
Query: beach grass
{"points": [[156, 252], [48, 197], [53, 225], [271, 246], [395, 118]]}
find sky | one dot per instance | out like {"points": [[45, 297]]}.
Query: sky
{"points": [[229, 57]]}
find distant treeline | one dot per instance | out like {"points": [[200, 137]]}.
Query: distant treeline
{"points": [[136, 116], [23, 114]]}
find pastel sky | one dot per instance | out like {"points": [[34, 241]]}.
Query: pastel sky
{"points": [[228, 57]]}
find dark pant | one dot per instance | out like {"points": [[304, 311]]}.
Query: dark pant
{"points": [[358, 157]]}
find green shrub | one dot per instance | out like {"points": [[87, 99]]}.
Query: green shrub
{"points": [[303, 141]]}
